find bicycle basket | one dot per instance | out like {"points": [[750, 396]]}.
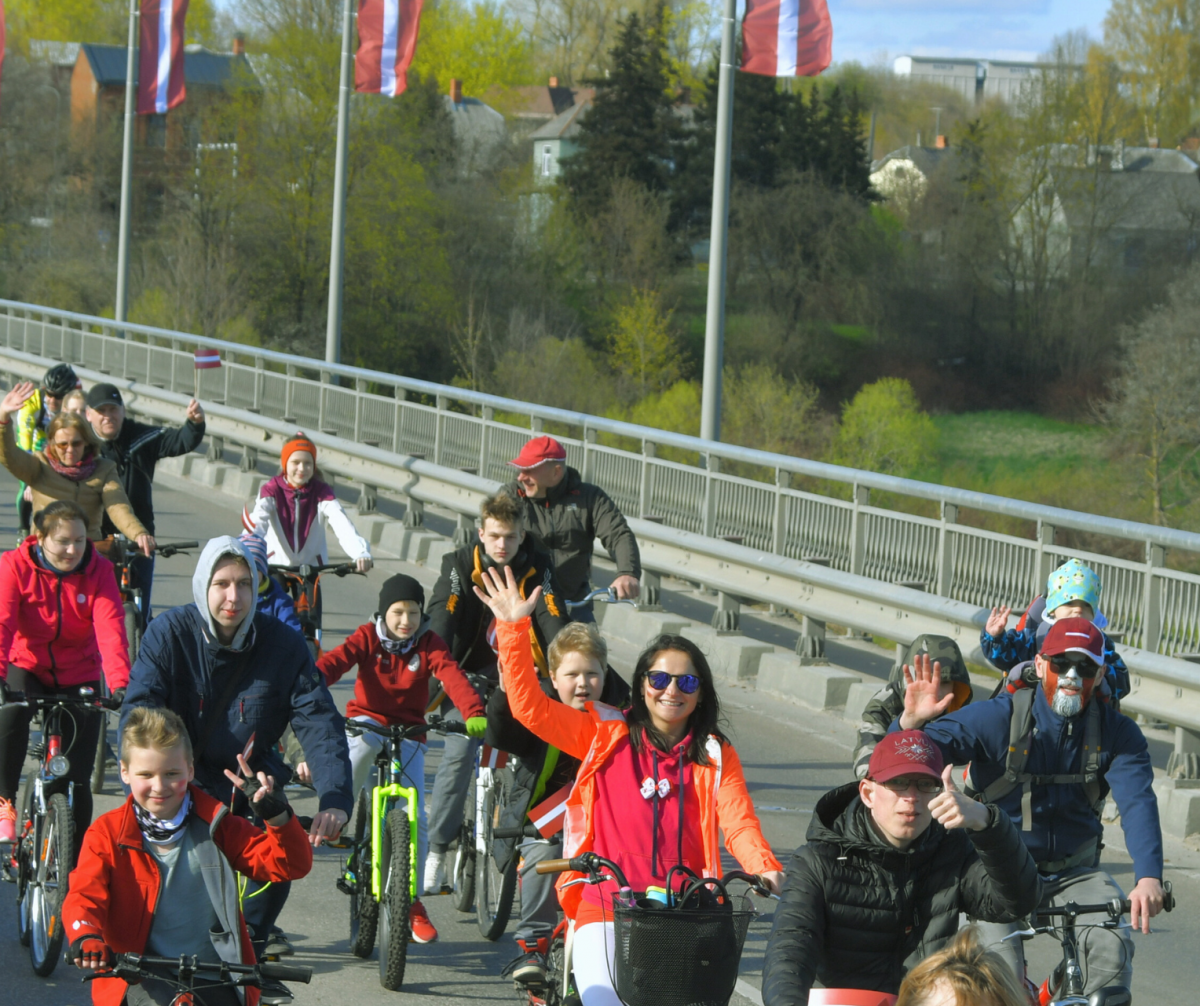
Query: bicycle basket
{"points": [[686, 957]]}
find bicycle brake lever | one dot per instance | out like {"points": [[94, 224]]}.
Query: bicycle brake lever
{"points": [[1020, 933]]}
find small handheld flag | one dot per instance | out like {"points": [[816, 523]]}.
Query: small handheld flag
{"points": [[207, 359]]}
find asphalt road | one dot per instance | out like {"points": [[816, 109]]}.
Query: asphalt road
{"points": [[791, 756]]}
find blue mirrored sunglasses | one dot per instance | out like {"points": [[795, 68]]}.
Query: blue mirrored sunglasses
{"points": [[660, 680]]}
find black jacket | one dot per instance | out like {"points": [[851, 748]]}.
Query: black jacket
{"points": [[462, 620], [136, 451], [568, 520], [858, 913]]}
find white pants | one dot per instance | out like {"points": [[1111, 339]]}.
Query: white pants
{"points": [[363, 750], [592, 961]]}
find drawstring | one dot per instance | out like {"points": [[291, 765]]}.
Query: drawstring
{"points": [[654, 817], [679, 798]]}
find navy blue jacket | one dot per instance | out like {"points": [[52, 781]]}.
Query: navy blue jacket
{"points": [[276, 602], [178, 669], [1062, 818]]}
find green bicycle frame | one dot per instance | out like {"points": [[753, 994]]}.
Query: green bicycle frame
{"points": [[381, 799]]}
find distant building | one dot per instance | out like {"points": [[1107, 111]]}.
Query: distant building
{"points": [[479, 129], [977, 80], [530, 106], [557, 140], [903, 175]]}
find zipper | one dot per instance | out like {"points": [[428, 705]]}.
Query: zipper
{"points": [[57, 631]]}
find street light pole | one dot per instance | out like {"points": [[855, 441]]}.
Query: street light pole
{"points": [[122, 307], [714, 328], [333, 325]]}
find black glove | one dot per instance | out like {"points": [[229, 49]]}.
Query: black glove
{"points": [[118, 696], [269, 806], [8, 695]]}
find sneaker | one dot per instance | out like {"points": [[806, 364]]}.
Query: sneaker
{"points": [[272, 993], [278, 945], [418, 921], [435, 872], [530, 968], [8, 821]]}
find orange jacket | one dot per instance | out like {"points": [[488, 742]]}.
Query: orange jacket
{"points": [[591, 736], [115, 887]]}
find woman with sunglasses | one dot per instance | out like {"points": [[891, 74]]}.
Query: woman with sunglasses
{"points": [[657, 784]]}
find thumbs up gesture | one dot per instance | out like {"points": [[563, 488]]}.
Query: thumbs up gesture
{"points": [[954, 809]]}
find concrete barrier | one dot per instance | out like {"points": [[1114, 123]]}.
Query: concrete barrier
{"points": [[824, 687], [732, 658]]}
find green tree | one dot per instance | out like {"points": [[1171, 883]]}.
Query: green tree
{"points": [[764, 410], [641, 345], [884, 430], [94, 21], [482, 44]]}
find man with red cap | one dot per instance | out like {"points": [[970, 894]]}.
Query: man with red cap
{"points": [[890, 863], [1048, 751], [566, 515]]}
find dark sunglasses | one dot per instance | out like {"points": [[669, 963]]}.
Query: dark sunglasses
{"points": [[1084, 668], [903, 784], [660, 680]]}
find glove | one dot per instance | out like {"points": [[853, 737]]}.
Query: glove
{"points": [[476, 726], [118, 695], [8, 695], [269, 806], [91, 949]]}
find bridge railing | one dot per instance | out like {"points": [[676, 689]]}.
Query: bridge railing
{"points": [[1149, 605]]}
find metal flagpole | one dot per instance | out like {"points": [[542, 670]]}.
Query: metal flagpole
{"points": [[333, 326], [122, 308], [714, 329]]}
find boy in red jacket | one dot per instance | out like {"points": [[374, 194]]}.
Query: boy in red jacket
{"points": [[159, 875], [395, 654]]}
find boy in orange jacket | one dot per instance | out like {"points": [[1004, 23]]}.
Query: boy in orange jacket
{"points": [[158, 876]]}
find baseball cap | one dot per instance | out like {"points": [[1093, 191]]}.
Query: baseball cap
{"points": [[905, 752], [1074, 635], [942, 650], [538, 451], [104, 394]]}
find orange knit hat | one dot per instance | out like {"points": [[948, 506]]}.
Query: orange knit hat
{"points": [[300, 443]]}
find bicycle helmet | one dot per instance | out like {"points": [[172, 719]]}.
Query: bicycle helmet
{"points": [[60, 381]]}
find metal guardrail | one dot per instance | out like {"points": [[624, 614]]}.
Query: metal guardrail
{"points": [[1149, 605]]}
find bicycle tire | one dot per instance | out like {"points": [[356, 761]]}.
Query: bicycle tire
{"points": [[464, 857], [494, 890], [396, 900], [364, 909], [53, 868], [100, 761], [133, 630], [24, 857]]}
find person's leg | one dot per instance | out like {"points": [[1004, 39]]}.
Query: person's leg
{"points": [[539, 901], [450, 787], [14, 735], [992, 936], [24, 511], [1106, 955], [261, 906], [412, 758], [592, 957], [141, 570], [364, 748], [80, 737]]}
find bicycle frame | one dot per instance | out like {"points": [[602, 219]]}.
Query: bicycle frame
{"points": [[382, 799]]}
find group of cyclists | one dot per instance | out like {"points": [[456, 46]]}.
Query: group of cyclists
{"points": [[226, 700]]}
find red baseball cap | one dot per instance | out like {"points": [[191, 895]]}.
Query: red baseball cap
{"points": [[1074, 635], [905, 752], [538, 451]]}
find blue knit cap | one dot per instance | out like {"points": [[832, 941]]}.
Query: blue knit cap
{"points": [[1073, 581]]}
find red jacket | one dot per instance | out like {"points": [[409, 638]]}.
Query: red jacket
{"points": [[62, 628], [114, 889], [394, 688]]}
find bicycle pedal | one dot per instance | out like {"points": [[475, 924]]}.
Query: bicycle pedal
{"points": [[345, 886]]}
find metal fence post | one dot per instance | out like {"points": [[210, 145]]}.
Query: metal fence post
{"points": [[810, 644], [858, 529], [321, 400], [536, 424], [485, 438], [1045, 557], [260, 380], [646, 491], [783, 480], [712, 465], [1156, 557], [360, 387], [945, 557], [589, 439], [399, 419], [442, 402], [176, 348], [288, 413]]}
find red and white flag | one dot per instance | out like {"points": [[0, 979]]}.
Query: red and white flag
{"points": [[207, 359], [160, 59], [548, 815], [387, 42], [489, 757], [786, 38]]}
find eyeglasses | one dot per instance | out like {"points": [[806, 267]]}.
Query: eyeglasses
{"points": [[1084, 668], [661, 680], [902, 784]]}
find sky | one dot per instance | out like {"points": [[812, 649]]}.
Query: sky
{"points": [[870, 31]]}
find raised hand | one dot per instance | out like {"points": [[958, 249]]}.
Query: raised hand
{"points": [[998, 621], [195, 414], [921, 702], [502, 595], [954, 809], [14, 399]]}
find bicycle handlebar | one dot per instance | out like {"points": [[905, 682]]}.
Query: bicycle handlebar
{"points": [[310, 568], [50, 701], [1114, 908], [606, 594], [588, 862], [406, 731], [140, 965], [174, 547]]}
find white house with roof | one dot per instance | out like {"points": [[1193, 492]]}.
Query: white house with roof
{"points": [[557, 140]]}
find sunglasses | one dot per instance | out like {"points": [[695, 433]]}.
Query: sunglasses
{"points": [[660, 680], [903, 784], [1084, 668]]}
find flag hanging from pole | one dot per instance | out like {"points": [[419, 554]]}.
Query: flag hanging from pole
{"points": [[387, 42], [160, 56], [207, 359], [786, 38]]}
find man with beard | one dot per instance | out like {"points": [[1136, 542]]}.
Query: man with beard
{"points": [[1048, 755]]}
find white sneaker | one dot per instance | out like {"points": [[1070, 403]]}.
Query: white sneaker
{"points": [[435, 872]]}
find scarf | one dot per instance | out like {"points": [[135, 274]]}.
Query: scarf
{"points": [[396, 647], [158, 831], [296, 509], [76, 473]]}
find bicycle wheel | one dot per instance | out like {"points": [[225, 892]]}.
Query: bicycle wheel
{"points": [[364, 909], [100, 762], [494, 888], [49, 886], [133, 630], [25, 858], [464, 857], [395, 901]]}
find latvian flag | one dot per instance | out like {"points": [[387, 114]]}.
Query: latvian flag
{"points": [[387, 42], [160, 61], [489, 757], [786, 38], [207, 359], [548, 815]]}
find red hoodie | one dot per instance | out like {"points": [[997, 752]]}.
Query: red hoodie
{"points": [[393, 688], [62, 628]]}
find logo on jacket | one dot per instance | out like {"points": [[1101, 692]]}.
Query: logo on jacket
{"points": [[81, 598], [414, 665]]}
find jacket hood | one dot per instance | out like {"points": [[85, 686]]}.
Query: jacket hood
{"points": [[27, 552], [840, 819], [213, 550]]}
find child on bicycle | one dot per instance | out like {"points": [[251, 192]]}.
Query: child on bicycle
{"points": [[273, 600], [159, 875], [395, 654]]}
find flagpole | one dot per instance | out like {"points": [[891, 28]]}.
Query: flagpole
{"points": [[122, 306], [714, 328], [333, 325]]}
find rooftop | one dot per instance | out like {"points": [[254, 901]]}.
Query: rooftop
{"points": [[201, 67], [565, 124]]}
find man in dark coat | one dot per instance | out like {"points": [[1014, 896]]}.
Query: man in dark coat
{"points": [[890, 863]]}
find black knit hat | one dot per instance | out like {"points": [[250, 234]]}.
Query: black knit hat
{"points": [[400, 588]]}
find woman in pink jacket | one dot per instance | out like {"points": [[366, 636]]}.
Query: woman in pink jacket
{"points": [[62, 623]]}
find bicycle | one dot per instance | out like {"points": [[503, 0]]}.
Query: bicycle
{"points": [[119, 550], [1065, 985], [383, 850], [556, 990], [681, 951], [303, 584], [606, 595], [43, 854], [135, 968]]}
